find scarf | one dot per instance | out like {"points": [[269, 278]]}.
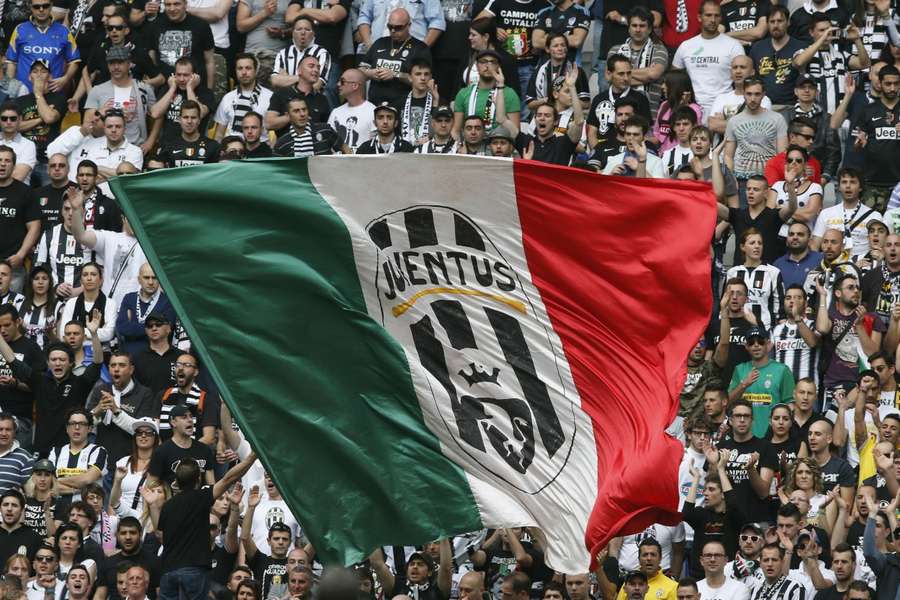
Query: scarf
{"points": [[433, 147], [243, 104], [377, 146], [489, 108], [744, 567], [142, 314], [813, 113], [644, 55], [81, 11], [424, 128], [80, 314], [546, 76], [767, 591], [117, 397]]}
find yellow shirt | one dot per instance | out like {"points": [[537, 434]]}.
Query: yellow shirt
{"points": [[661, 588]]}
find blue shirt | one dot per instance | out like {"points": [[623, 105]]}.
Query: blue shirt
{"points": [[423, 15], [795, 272], [56, 46]]}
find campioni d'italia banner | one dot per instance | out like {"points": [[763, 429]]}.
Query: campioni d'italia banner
{"points": [[419, 346]]}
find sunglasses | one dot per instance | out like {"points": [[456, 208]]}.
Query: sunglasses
{"points": [[755, 341], [750, 538], [45, 558], [144, 433], [7, 119], [795, 160], [40, 6], [115, 27], [397, 27]]}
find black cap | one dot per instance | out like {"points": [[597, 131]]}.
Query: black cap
{"points": [[442, 111], [44, 466], [487, 52], [424, 557], [180, 410], [156, 317], [803, 79], [387, 106], [636, 573], [758, 332], [754, 526]]}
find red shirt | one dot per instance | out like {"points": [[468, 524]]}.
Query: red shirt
{"points": [[775, 169], [671, 38]]}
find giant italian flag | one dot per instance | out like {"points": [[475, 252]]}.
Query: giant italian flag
{"points": [[419, 346]]}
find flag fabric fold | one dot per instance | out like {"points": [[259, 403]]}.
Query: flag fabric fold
{"points": [[424, 346]]}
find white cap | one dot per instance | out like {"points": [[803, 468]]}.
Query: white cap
{"points": [[148, 422]]}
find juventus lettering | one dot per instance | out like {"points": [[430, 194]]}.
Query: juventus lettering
{"points": [[465, 312]]}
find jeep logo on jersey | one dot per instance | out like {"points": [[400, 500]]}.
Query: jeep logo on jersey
{"points": [[446, 291]]}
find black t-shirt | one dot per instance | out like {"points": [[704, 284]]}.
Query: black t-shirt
{"points": [[382, 54], [615, 34], [271, 572], [171, 126], [882, 152], [102, 212], [605, 150], [17, 401], [518, 20], [18, 206], [556, 150], [222, 565], [50, 200], [755, 509], [800, 20], [837, 472], [107, 570], [34, 514], [317, 139], [328, 35], [768, 223], [184, 522], [737, 348], [602, 113], [319, 107], [555, 20], [141, 65], [832, 593], [786, 452], [261, 151], [190, 37], [881, 491], [432, 592], [776, 68], [43, 134], [169, 455], [12, 542], [178, 152], [740, 15], [156, 371]]}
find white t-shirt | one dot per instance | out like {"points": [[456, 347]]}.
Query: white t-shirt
{"points": [[121, 257], [852, 450], [800, 576], [131, 503], [665, 535], [731, 590], [685, 480], [838, 217], [225, 111], [267, 513], [728, 104], [219, 28], [781, 198], [26, 151], [708, 63], [357, 121]]}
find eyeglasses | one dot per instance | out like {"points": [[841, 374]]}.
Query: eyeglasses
{"points": [[115, 27], [153, 325], [185, 365], [398, 27], [234, 154], [742, 416], [749, 538], [756, 341], [712, 555], [795, 160], [77, 423], [45, 558], [9, 118]]}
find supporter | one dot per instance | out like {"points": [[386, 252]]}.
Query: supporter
{"points": [[15, 461], [550, 75], [483, 34], [100, 211], [251, 129], [132, 553], [774, 57], [192, 147], [636, 160], [875, 549], [440, 139], [45, 582], [715, 585], [803, 133], [701, 146], [843, 565], [415, 118], [420, 572], [877, 232], [849, 216], [802, 18], [134, 104], [799, 260], [15, 537], [649, 58], [601, 118], [678, 92], [263, 22], [91, 298], [785, 442], [165, 460], [760, 381], [726, 106], [835, 263], [20, 224], [287, 62], [305, 138], [277, 117], [25, 150], [15, 395], [40, 38], [707, 57], [7, 295], [546, 144], [118, 35], [131, 470], [40, 115], [766, 299], [41, 506], [136, 309], [388, 76], [775, 584], [116, 406], [204, 404], [78, 462], [183, 85], [481, 98], [269, 570], [137, 583], [79, 579], [154, 364], [566, 17], [796, 340], [63, 256], [354, 116], [808, 195], [39, 309], [179, 34], [50, 196], [877, 123], [232, 148], [836, 472], [385, 140]]}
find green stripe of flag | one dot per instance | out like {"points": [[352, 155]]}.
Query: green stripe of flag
{"points": [[270, 294]]}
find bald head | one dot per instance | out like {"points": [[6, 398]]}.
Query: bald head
{"points": [[471, 585]]}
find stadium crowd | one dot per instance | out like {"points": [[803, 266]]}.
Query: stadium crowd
{"points": [[122, 474]]}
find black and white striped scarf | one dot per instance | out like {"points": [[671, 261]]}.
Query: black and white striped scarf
{"points": [[424, 128], [243, 104], [302, 142], [547, 75], [432, 147]]}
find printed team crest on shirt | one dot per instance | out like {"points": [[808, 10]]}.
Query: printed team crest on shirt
{"points": [[571, 21], [275, 514], [768, 382], [446, 291], [201, 151], [102, 209], [43, 200], [405, 53]]}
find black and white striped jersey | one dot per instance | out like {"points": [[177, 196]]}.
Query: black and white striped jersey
{"points": [[38, 323], [792, 350], [829, 67], [765, 291], [64, 254], [783, 589], [676, 157], [288, 60], [14, 298]]}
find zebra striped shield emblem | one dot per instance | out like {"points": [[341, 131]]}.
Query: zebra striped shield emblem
{"points": [[477, 326]]}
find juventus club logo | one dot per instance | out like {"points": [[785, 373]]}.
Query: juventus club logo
{"points": [[446, 291]]}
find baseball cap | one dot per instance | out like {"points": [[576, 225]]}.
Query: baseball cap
{"points": [[424, 557], [879, 221], [488, 52], [180, 410], [145, 423], [442, 112], [636, 573], [40, 62], [757, 332], [754, 526], [118, 53], [389, 107], [804, 79], [157, 317], [44, 465]]}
